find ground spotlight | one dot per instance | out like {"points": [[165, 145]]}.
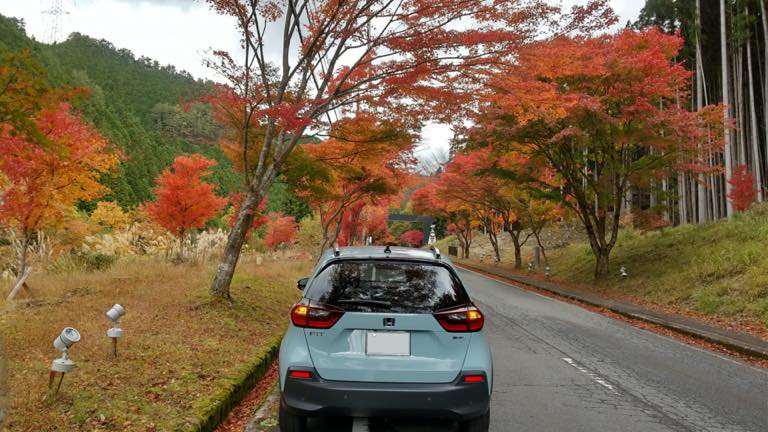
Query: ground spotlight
{"points": [[68, 337], [114, 314]]}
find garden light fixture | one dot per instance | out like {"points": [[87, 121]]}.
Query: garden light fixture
{"points": [[68, 337], [114, 314]]}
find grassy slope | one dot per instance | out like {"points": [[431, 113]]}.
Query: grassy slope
{"points": [[719, 269], [178, 351]]}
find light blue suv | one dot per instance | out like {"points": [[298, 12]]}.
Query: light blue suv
{"points": [[385, 332]]}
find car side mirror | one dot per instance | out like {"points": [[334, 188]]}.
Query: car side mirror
{"points": [[302, 283]]}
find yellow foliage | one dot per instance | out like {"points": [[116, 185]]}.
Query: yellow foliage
{"points": [[109, 215]]}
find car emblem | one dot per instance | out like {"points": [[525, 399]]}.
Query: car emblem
{"points": [[389, 322]]}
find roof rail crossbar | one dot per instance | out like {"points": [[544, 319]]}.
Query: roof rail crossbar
{"points": [[435, 251]]}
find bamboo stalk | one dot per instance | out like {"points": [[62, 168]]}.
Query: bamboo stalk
{"points": [[756, 168]]}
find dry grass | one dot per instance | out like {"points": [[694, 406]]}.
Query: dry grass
{"points": [[179, 349]]}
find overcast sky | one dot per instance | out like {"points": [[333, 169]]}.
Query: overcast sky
{"points": [[180, 32]]}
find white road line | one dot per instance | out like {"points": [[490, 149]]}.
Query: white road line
{"points": [[360, 425], [591, 374]]}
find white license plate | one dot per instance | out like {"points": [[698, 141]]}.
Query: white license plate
{"points": [[387, 343]]}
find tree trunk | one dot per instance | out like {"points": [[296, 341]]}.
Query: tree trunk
{"points": [[700, 186], [326, 238], [602, 267], [537, 234], [753, 128], [763, 12], [726, 102], [21, 273], [180, 256], [494, 242], [682, 199], [738, 103], [597, 239], [518, 248], [235, 241], [467, 241]]}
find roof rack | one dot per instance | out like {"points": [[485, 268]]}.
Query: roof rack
{"points": [[435, 251]]}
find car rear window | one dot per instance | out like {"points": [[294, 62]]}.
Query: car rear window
{"points": [[393, 286]]}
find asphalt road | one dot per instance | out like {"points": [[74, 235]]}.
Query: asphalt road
{"points": [[559, 367]]}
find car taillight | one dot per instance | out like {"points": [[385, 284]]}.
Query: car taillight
{"points": [[300, 374], [474, 379], [465, 319], [310, 316]]}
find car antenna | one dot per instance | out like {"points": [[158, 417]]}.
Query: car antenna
{"points": [[336, 251], [435, 251], [387, 249]]}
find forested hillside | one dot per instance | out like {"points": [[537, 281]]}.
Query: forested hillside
{"points": [[136, 103]]}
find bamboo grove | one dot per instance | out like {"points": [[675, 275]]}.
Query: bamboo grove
{"points": [[726, 48]]}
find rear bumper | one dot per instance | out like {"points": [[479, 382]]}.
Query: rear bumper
{"points": [[318, 397]]}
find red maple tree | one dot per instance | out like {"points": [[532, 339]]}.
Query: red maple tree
{"points": [[281, 230], [742, 188], [184, 201], [412, 238]]}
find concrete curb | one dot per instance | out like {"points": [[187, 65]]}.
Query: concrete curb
{"points": [[264, 412], [3, 388], [740, 342], [213, 411]]}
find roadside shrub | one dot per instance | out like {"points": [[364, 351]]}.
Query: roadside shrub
{"points": [[110, 216], [310, 233], [97, 261]]}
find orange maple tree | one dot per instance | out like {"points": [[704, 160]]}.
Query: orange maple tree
{"points": [[461, 219], [477, 189], [365, 163], [601, 112], [183, 200], [42, 183], [364, 220], [411, 60]]}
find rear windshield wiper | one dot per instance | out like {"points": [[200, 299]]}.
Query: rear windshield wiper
{"points": [[366, 302]]}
